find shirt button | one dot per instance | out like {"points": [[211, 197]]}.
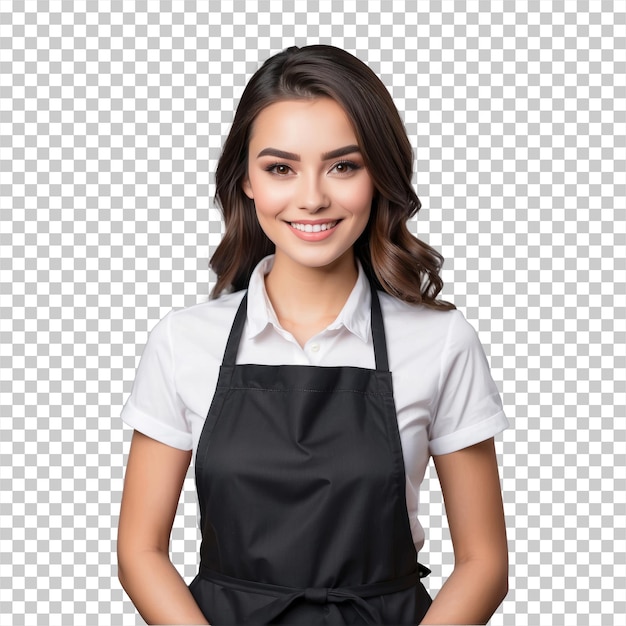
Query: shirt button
{"points": [[315, 347]]}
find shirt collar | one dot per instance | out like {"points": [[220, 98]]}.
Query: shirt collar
{"points": [[355, 315]]}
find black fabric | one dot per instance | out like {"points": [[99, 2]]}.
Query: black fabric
{"points": [[301, 486]]}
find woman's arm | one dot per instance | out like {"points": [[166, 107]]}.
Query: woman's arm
{"points": [[154, 478], [479, 582]]}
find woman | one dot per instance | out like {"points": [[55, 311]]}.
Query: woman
{"points": [[313, 387]]}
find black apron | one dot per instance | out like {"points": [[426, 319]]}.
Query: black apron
{"points": [[302, 493]]}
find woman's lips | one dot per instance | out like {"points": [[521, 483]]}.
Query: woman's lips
{"points": [[309, 227], [313, 231]]}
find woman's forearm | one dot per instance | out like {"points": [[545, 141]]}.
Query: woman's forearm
{"points": [[471, 594], [157, 589]]}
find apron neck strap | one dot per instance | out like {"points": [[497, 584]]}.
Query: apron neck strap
{"points": [[378, 333], [232, 346]]}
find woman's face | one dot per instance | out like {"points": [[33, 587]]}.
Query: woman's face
{"points": [[307, 177]]}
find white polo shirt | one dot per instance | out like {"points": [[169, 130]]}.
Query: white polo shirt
{"points": [[444, 394]]}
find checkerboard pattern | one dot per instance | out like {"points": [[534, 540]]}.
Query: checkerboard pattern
{"points": [[112, 115]]}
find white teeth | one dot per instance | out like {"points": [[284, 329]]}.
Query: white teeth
{"points": [[313, 228]]}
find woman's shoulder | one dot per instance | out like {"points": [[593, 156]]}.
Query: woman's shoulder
{"points": [[197, 322], [415, 322], [419, 335]]}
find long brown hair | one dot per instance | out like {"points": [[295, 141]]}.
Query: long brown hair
{"points": [[392, 257]]}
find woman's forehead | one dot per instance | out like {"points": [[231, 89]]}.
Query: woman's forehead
{"points": [[316, 124]]}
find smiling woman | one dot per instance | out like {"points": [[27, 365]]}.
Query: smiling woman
{"points": [[315, 385]]}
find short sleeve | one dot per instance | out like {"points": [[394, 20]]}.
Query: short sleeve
{"points": [[469, 409], [154, 407]]}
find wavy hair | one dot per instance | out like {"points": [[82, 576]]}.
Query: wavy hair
{"points": [[395, 260]]}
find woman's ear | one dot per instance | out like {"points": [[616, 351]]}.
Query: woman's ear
{"points": [[247, 188]]}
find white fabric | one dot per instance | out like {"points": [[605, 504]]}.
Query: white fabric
{"points": [[444, 394]]}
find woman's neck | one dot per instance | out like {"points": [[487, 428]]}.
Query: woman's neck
{"points": [[307, 299]]}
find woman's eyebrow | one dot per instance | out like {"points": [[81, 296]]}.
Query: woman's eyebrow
{"points": [[291, 156], [333, 154], [281, 154]]}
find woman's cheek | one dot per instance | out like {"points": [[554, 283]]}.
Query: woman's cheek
{"points": [[355, 197], [269, 201]]}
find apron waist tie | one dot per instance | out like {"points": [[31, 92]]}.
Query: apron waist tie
{"points": [[286, 596]]}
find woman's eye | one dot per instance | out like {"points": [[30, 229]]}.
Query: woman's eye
{"points": [[345, 167], [278, 168]]}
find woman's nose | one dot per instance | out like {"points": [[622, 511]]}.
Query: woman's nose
{"points": [[312, 195]]}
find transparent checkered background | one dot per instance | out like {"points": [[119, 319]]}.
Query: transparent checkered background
{"points": [[112, 115]]}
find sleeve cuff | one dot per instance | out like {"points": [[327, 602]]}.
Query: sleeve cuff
{"points": [[156, 430], [469, 436]]}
